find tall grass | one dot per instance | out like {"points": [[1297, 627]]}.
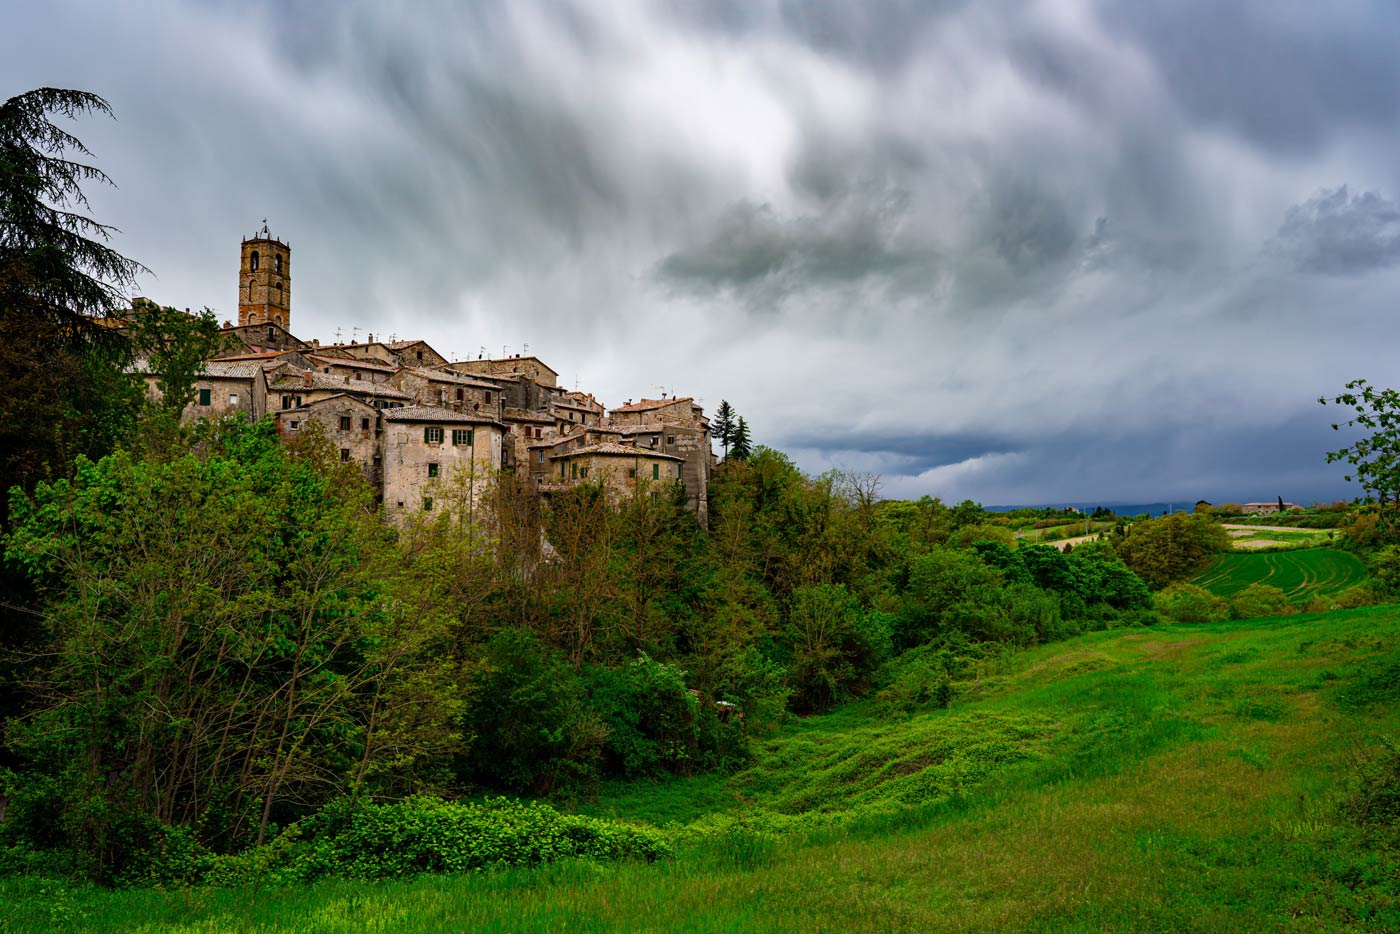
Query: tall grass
{"points": [[1176, 778]]}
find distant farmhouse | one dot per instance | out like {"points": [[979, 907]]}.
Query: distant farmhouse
{"points": [[409, 418], [1268, 509]]}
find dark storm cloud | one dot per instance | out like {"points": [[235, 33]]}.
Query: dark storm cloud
{"points": [[1001, 250], [1340, 234], [752, 249]]}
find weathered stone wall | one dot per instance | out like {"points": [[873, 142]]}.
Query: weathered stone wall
{"points": [[406, 458], [265, 283]]}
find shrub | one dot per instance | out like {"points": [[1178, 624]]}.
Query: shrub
{"points": [[652, 719], [1187, 603], [1260, 600], [1373, 798], [836, 645], [422, 835]]}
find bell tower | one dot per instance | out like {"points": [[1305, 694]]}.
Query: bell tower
{"points": [[265, 281]]}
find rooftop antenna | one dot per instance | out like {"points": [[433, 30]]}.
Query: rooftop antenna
{"points": [[393, 338], [354, 334], [338, 335], [504, 352], [482, 353], [525, 349]]}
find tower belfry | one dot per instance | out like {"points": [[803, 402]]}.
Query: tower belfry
{"points": [[265, 280]]}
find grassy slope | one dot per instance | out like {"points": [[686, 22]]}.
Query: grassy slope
{"points": [[1179, 778], [1299, 574]]}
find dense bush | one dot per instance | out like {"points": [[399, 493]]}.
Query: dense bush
{"points": [[1172, 548], [1187, 603], [652, 720], [1259, 600]]}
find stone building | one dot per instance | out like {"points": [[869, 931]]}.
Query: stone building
{"points": [[618, 467], [449, 390], [350, 424], [532, 367], [430, 453], [245, 339], [293, 389], [265, 281], [222, 389]]}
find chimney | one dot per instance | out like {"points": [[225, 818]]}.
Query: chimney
{"points": [[306, 379]]}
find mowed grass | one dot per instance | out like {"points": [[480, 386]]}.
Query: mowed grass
{"points": [[1299, 574], [1181, 778]]}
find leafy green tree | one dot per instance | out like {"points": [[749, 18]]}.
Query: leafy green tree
{"points": [[836, 645], [221, 652], [724, 425], [741, 447], [1375, 458], [61, 390], [175, 346], [1172, 548]]}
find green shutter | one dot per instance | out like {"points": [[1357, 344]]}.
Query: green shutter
{"points": [[656, 471], [426, 432]]}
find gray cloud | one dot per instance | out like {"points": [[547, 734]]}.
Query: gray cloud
{"points": [[993, 250], [1336, 233]]}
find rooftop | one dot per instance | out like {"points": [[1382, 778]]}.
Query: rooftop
{"points": [[611, 449], [648, 404], [433, 413]]}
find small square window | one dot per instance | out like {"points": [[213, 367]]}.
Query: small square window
{"points": [[432, 470], [345, 423], [296, 425], [204, 397], [233, 398], [488, 397], [364, 424], [583, 472], [631, 473], [344, 455], [670, 439], [427, 504]]}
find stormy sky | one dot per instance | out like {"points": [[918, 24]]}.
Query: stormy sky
{"points": [[1013, 252]]}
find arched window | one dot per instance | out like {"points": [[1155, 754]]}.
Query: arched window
{"points": [[277, 264], [250, 290], [253, 261]]}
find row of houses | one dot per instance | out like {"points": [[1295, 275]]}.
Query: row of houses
{"points": [[411, 419]]}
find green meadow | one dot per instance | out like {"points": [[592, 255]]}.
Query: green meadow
{"points": [[1299, 574], [1175, 778]]}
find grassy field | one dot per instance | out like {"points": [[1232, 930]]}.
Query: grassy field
{"points": [[1299, 574], [1182, 778]]}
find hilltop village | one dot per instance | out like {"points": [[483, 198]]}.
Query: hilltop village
{"points": [[409, 418]]}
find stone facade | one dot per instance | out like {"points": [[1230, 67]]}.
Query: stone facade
{"points": [[350, 424], [620, 468], [431, 453], [533, 367], [265, 281]]}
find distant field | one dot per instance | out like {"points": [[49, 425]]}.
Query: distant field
{"points": [[1297, 573]]}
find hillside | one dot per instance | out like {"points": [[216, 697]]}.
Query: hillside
{"points": [[1173, 778], [1299, 574]]}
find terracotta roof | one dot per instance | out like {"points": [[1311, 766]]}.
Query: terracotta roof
{"points": [[626, 450], [511, 360], [261, 355], [648, 404], [433, 413]]}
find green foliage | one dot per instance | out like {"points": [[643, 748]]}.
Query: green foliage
{"points": [[175, 346], [1187, 603], [1172, 548], [533, 730], [1260, 600], [836, 645], [652, 719], [1375, 458], [1373, 798], [420, 835]]}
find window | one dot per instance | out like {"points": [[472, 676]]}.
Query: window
{"points": [[540, 457], [678, 470], [204, 396], [250, 290], [364, 424], [583, 472], [537, 434], [420, 356], [344, 455], [345, 423], [432, 470], [277, 264], [561, 470], [571, 416], [233, 398], [253, 261], [432, 435], [488, 397], [359, 375], [656, 471], [462, 436], [271, 335], [631, 473], [670, 439], [459, 393], [573, 471], [286, 402], [427, 504], [295, 425]]}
